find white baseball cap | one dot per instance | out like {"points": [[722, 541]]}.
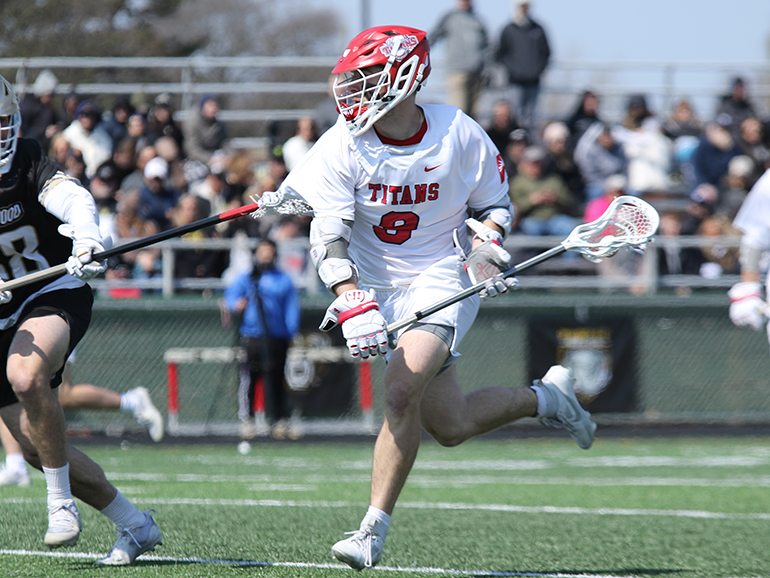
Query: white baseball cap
{"points": [[156, 168]]}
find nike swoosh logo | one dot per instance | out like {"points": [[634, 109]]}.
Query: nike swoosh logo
{"points": [[429, 169]]}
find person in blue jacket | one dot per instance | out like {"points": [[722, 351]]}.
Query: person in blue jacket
{"points": [[268, 302]]}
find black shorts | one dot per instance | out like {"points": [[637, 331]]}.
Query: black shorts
{"points": [[72, 305]]}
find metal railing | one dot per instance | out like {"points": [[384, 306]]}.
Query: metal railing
{"points": [[189, 77], [560, 273]]}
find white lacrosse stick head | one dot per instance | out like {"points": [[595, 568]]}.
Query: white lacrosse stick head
{"points": [[276, 203], [627, 222]]}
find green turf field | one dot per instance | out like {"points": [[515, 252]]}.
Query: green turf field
{"points": [[683, 507]]}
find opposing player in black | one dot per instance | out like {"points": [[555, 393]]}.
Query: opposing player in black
{"points": [[47, 218]]}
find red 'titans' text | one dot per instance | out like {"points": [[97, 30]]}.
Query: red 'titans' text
{"points": [[403, 195]]}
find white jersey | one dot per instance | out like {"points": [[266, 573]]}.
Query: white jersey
{"points": [[753, 218], [404, 198]]}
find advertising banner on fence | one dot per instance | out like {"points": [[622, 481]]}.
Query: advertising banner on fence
{"points": [[601, 355]]}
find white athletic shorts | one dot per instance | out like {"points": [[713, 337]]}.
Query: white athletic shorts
{"points": [[439, 281]]}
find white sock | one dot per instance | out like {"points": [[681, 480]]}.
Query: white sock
{"points": [[128, 402], [381, 517], [57, 481], [15, 463], [546, 407], [123, 513]]}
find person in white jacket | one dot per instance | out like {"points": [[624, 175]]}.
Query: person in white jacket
{"points": [[87, 136]]}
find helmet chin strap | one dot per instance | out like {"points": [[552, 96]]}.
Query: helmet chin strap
{"points": [[5, 164]]}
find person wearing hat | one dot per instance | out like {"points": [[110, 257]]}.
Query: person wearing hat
{"points": [[637, 112], [599, 154], [39, 118], [517, 143], [161, 123], [561, 159], [542, 201], [204, 133], [115, 122], [736, 106], [87, 135], [524, 52], [584, 114], [157, 200]]}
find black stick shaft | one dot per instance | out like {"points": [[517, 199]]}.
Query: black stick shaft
{"points": [[460, 295], [59, 270]]}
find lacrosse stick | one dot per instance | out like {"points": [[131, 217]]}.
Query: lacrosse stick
{"points": [[627, 222], [284, 207]]}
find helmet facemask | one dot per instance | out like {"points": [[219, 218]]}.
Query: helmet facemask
{"points": [[9, 131], [364, 95], [10, 123]]}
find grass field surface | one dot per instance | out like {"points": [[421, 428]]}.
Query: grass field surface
{"points": [[679, 507]]}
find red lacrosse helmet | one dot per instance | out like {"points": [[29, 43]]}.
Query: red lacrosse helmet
{"points": [[400, 58]]}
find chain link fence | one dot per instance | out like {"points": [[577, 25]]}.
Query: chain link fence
{"points": [[677, 360]]}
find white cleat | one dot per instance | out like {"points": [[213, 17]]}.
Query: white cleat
{"points": [[147, 414], [557, 383], [248, 429], [364, 547], [14, 477], [63, 525], [133, 542]]}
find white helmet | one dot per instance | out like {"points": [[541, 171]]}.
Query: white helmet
{"points": [[10, 122]]}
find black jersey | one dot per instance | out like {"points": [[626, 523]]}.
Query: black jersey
{"points": [[29, 236]]}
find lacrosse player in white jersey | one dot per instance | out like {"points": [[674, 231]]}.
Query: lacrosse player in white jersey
{"points": [[747, 304], [391, 185]]}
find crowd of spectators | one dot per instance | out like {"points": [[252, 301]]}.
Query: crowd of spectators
{"points": [[697, 170], [147, 172]]}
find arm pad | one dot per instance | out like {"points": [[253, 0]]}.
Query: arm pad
{"points": [[66, 200], [750, 257], [329, 237], [334, 271], [500, 216]]}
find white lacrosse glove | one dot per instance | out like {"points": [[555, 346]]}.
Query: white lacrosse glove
{"points": [[488, 261], [5, 296], [80, 265], [362, 324], [747, 304]]}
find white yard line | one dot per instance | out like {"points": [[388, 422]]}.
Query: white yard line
{"points": [[298, 482], [257, 563], [449, 506], [750, 458]]}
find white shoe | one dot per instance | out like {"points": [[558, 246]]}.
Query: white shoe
{"points": [[63, 525], [147, 414], [364, 548], [248, 429], [557, 384], [133, 542], [14, 477], [285, 429]]}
